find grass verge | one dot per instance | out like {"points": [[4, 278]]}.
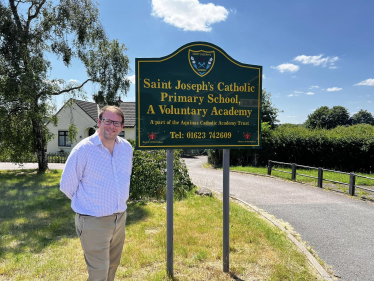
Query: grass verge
{"points": [[368, 183], [38, 239]]}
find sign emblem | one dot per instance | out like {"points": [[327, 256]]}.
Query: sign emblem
{"points": [[201, 61], [152, 136], [247, 136]]}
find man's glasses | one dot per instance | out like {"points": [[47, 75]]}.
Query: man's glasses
{"points": [[108, 122]]}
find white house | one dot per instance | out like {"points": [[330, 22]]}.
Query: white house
{"points": [[84, 114]]}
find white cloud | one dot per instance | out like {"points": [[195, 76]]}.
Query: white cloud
{"points": [[286, 67], [132, 79], [310, 93], [190, 15], [75, 81], [263, 76], [314, 87], [292, 116], [317, 60], [369, 101], [290, 95], [367, 82], [334, 89], [297, 92]]}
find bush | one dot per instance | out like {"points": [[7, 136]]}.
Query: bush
{"points": [[344, 148], [6, 157], [148, 178]]}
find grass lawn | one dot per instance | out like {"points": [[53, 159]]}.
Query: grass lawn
{"points": [[38, 239]]}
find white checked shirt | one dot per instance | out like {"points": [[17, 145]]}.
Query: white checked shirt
{"points": [[98, 183]]}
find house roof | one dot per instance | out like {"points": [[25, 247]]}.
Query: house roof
{"points": [[128, 109], [92, 110]]}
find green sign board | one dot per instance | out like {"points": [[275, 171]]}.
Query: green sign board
{"points": [[197, 97]]}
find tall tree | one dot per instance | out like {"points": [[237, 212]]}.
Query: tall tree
{"points": [[327, 118], [338, 116], [319, 118], [31, 29], [269, 111], [362, 117]]}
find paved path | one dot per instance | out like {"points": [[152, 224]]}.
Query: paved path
{"points": [[340, 229]]}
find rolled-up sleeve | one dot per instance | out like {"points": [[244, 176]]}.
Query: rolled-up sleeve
{"points": [[72, 174]]}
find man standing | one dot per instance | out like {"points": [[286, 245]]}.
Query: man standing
{"points": [[97, 179]]}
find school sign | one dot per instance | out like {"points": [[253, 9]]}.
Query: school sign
{"points": [[197, 97]]}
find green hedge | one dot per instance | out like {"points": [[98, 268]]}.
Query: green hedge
{"points": [[148, 178], [345, 148]]}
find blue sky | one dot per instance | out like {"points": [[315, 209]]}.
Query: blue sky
{"points": [[313, 53]]}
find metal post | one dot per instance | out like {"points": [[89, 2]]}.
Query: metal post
{"points": [[293, 175], [169, 211], [270, 165], [352, 183], [226, 209], [320, 177]]}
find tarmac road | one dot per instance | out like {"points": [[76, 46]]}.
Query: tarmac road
{"points": [[339, 228]]}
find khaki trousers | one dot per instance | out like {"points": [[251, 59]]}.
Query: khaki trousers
{"points": [[102, 240]]}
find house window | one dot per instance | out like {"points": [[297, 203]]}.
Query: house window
{"points": [[63, 139], [122, 134]]}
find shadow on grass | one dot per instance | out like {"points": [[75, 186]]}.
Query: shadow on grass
{"points": [[136, 212], [34, 213], [235, 277]]}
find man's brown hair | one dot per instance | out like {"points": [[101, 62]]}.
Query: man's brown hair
{"points": [[113, 109]]}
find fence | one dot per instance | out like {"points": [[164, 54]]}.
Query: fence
{"points": [[57, 158], [51, 158], [352, 179]]}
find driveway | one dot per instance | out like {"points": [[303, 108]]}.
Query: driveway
{"points": [[339, 228]]}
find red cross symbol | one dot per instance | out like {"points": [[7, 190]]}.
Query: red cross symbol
{"points": [[152, 136]]}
